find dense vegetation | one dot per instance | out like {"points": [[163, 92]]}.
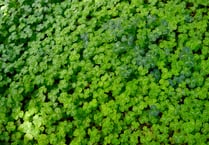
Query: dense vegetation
{"points": [[104, 72]]}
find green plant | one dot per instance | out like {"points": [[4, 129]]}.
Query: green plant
{"points": [[104, 72]]}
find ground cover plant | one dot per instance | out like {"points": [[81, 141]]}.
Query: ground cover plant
{"points": [[104, 72]]}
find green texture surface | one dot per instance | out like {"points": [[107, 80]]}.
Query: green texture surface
{"points": [[100, 72]]}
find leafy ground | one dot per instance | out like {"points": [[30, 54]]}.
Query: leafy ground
{"points": [[104, 72]]}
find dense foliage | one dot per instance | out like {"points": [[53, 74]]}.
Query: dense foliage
{"points": [[104, 72]]}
